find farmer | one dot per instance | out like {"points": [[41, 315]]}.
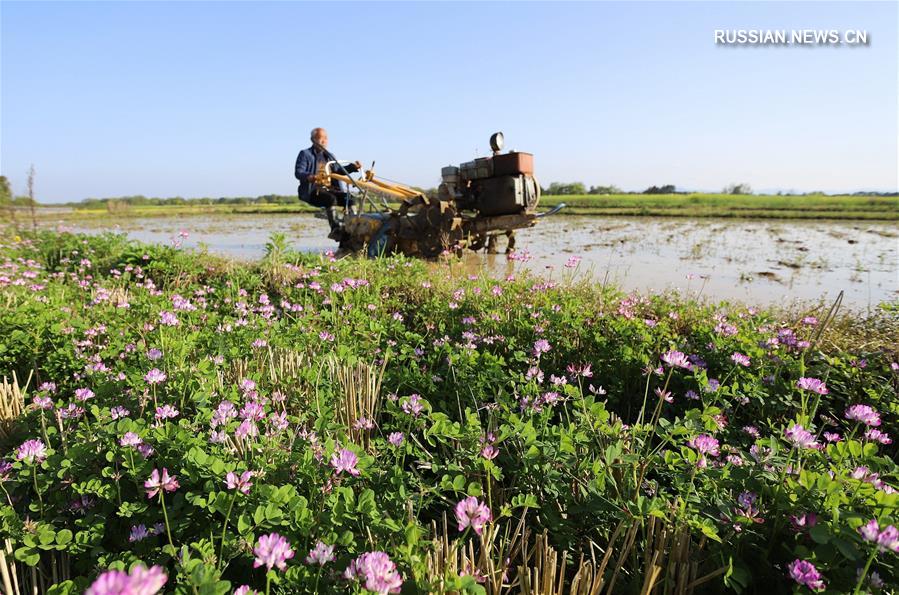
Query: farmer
{"points": [[308, 163]]}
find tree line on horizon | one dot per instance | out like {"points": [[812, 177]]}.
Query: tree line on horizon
{"points": [[9, 199]]}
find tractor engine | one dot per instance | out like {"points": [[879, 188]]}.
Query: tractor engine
{"points": [[503, 184]]}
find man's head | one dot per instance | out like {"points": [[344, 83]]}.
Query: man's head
{"points": [[319, 136]]}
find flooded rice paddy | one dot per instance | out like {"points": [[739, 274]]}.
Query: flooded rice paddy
{"points": [[756, 262]]}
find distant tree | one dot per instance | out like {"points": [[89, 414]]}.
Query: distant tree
{"points": [[557, 188], [612, 189], [742, 188], [5, 191], [666, 189]]}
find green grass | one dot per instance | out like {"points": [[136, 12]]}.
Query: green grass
{"points": [[725, 205], [873, 208]]}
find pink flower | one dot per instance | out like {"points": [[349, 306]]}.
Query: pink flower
{"points": [[118, 412], [168, 319], [272, 551], [472, 513], [321, 554], [241, 482], [378, 571], [705, 444], [141, 581], [870, 530], [886, 540], [799, 436], [806, 574], [876, 435], [812, 385], [32, 451], [155, 376], [541, 346], [676, 359], [395, 438], [166, 412], [43, 402], [83, 394], [489, 452], [740, 359], [345, 460], [130, 439], [806, 520], [245, 590], [157, 482], [413, 405], [864, 414]]}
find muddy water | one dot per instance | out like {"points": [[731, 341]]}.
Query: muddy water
{"points": [[760, 262]]}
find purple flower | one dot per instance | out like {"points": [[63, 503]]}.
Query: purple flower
{"points": [[676, 359], [32, 451], [378, 571], [239, 482], [799, 436], [876, 435], [886, 540], [321, 554], [139, 533], [472, 513], [141, 581], [541, 346], [166, 412], [705, 444], [489, 452], [864, 414], [43, 402], [413, 405], [740, 359], [130, 439], [118, 412], [804, 521], [395, 438], [345, 460], [83, 394], [163, 482], [272, 551], [155, 376], [245, 590], [5, 469], [752, 431], [168, 319], [154, 354], [812, 385], [806, 574], [870, 530]]}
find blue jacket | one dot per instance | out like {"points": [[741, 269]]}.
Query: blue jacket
{"points": [[308, 162]]}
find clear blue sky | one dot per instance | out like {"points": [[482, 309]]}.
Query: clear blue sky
{"points": [[216, 98]]}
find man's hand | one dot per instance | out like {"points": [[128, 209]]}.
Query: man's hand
{"points": [[310, 178], [358, 165]]}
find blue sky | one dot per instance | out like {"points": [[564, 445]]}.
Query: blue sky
{"points": [[216, 98]]}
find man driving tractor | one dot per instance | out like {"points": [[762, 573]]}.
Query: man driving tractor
{"points": [[309, 161]]}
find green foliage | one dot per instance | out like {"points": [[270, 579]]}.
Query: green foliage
{"points": [[571, 434]]}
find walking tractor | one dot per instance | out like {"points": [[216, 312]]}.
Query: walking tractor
{"points": [[476, 202]]}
